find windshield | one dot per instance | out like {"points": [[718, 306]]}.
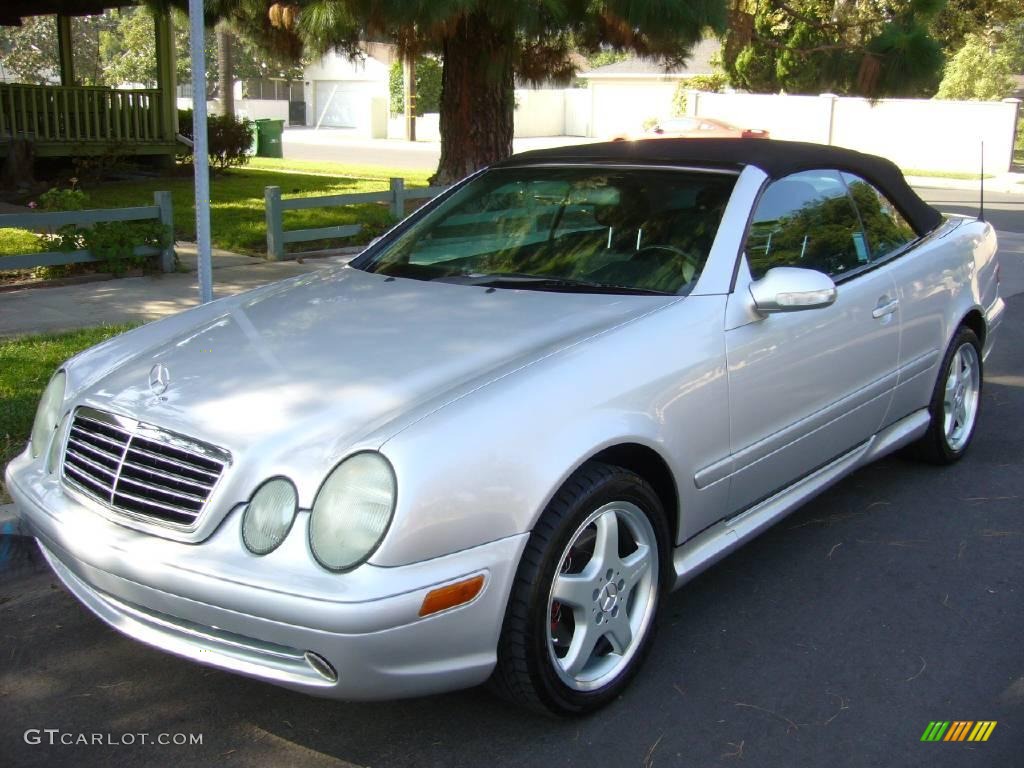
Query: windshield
{"points": [[566, 228]]}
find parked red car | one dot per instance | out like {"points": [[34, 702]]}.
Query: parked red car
{"points": [[694, 128]]}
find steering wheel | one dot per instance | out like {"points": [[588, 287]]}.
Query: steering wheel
{"points": [[691, 268]]}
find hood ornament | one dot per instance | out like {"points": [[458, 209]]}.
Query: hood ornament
{"points": [[159, 379]]}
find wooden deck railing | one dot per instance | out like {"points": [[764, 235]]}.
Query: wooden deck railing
{"points": [[62, 114]]}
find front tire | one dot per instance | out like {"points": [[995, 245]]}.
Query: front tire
{"points": [[955, 402], [583, 607]]}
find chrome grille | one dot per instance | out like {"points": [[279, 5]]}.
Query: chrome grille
{"points": [[141, 470]]}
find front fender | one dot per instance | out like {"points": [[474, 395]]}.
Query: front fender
{"points": [[484, 467]]}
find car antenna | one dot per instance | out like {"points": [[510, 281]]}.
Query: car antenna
{"points": [[981, 187]]}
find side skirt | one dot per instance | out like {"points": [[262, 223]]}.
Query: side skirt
{"points": [[713, 543]]}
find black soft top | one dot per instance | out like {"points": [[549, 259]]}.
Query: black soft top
{"points": [[775, 158]]}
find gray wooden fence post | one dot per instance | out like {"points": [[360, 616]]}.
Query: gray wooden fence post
{"points": [[398, 198], [162, 200], [275, 227]]}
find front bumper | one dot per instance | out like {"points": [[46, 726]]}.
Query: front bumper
{"points": [[217, 604]]}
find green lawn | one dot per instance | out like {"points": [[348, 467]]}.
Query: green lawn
{"points": [[237, 200], [26, 364], [15, 241]]}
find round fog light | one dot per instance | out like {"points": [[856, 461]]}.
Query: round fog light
{"points": [[269, 516]]}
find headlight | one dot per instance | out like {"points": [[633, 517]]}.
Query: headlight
{"points": [[269, 516], [47, 414], [352, 511]]}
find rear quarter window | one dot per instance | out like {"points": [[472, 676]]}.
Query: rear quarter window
{"points": [[885, 227]]}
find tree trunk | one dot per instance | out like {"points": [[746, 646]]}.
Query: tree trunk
{"points": [[225, 71], [477, 98]]}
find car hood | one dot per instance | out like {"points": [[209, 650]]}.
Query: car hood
{"points": [[329, 358]]}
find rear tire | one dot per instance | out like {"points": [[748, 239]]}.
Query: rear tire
{"points": [[583, 607], [955, 403]]}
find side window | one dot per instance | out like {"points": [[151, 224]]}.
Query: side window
{"points": [[806, 220], [884, 225]]}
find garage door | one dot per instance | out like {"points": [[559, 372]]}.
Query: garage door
{"points": [[337, 103]]}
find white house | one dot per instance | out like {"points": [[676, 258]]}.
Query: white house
{"points": [[351, 93], [625, 94]]}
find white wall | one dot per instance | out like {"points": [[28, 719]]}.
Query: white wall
{"points": [[257, 109], [428, 127], [622, 106], [539, 112], [796, 118], [920, 134], [929, 134], [579, 103]]}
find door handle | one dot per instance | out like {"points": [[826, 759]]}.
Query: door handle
{"points": [[881, 310]]}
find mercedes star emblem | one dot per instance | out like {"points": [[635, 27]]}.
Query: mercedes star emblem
{"points": [[159, 379]]}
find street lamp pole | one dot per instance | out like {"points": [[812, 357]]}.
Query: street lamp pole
{"points": [[200, 154]]}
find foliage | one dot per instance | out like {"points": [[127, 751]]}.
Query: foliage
{"points": [[63, 199], [870, 48], [428, 86], [603, 58], [958, 18], [26, 365], [984, 67], [28, 54], [118, 47], [486, 45], [713, 83], [229, 139], [113, 243], [129, 50]]}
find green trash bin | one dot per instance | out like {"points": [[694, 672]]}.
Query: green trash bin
{"points": [[268, 142]]}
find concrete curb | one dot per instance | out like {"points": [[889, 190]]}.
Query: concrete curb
{"points": [[10, 521], [18, 552]]}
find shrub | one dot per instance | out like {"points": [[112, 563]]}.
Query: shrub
{"points": [[713, 83], [113, 243], [428, 86], [63, 199], [229, 139]]}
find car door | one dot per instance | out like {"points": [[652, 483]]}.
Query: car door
{"points": [[807, 386], [922, 308]]}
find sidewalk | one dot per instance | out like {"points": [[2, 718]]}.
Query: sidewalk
{"points": [[142, 299], [1010, 183]]}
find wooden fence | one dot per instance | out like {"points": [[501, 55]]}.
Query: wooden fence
{"points": [[278, 237], [161, 211]]}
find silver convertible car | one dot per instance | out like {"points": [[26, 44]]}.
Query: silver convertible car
{"points": [[488, 448]]}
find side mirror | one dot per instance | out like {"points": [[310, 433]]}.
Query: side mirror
{"points": [[791, 289]]}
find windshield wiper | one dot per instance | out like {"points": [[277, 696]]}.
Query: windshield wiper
{"points": [[541, 283]]}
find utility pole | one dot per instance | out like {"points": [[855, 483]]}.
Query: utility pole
{"points": [[225, 70], [200, 150], [409, 94]]}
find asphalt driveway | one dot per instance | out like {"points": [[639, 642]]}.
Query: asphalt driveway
{"points": [[893, 600]]}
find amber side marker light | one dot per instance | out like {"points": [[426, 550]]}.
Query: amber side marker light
{"points": [[443, 598]]}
